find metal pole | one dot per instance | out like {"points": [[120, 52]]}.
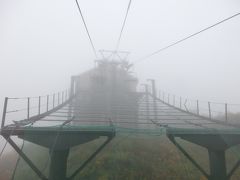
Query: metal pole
{"points": [[226, 112], [180, 102], [197, 107], [153, 87], [53, 100], [58, 98], [47, 101], [28, 108], [39, 105], [4, 111], [209, 110], [62, 96], [147, 100], [72, 86], [154, 96], [160, 94], [163, 96], [173, 100], [66, 95], [168, 98]]}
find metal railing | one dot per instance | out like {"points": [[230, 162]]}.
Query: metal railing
{"points": [[34, 106], [208, 109]]}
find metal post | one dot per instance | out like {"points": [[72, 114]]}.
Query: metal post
{"points": [[72, 86], [28, 108], [197, 107], [39, 105], [180, 102], [209, 110], [53, 100], [160, 95], [66, 95], [226, 112], [163, 96], [4, 111], [185, 105], [62, 96], [173, 100], [47, 102], [147, 100], [154, 96], [153, 87], [58, 98], [168, 98]]}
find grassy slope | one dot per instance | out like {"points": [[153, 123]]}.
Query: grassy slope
{"points": [[130, 158]]}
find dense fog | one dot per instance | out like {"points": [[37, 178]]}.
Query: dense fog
{"points": [[43, 43]]}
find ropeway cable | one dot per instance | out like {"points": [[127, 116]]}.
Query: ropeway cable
{"points": [[185, 38], [85, 25], [123, 25]]}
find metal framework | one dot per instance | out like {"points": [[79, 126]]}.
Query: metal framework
{"points": [[71, 124]]}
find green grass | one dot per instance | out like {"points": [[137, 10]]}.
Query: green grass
{"points": [[130, 157]]}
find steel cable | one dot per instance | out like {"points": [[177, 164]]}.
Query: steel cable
{"points": [[85, 25], [186, 38], [123, 25]]}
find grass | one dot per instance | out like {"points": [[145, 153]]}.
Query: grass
{"points": [[129, 157]]}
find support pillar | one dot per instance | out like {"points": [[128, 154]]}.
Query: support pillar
{"points": [[217, 164], [58, 165], [216, 145]]}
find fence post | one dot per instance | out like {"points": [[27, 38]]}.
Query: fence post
{"points": [[4, 111], [209, 110], [197, 107], [226, 112], [39, 105], [47, 102], [28, 108]]}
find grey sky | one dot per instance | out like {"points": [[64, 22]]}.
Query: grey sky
{"points": [[43, 42]]}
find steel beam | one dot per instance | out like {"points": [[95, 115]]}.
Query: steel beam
{"points": [[89, 159], [172, 139], [26, 159], [216, 146]]}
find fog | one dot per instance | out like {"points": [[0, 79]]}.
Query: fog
{"points": [[43, 43]]}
